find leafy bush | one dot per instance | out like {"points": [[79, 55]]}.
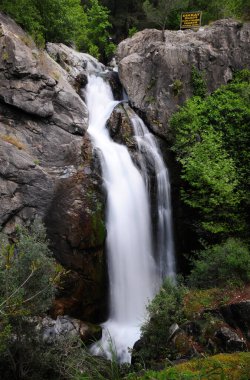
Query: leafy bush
{"points": [[28, 275], [221, 264], [198, 83], [164, 310], [211, 142]]}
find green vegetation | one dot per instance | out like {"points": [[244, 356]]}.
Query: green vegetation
{"points": [[220, 273], [159, 13], [64, 21], [166, 14], [221, 265], [198, 83], [177, 87], [28, 275], [87, 23], [165, 309], [97, 31], [210, 142], [219, 367]]}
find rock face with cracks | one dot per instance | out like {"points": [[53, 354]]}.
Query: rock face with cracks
{"points": [[47, 168]]}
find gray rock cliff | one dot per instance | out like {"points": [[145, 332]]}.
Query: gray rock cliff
{"points": [[47, 169]]}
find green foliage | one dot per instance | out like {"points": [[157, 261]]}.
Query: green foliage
{"points": [[25, 13], [177, 87], [221, 264], [28, 275], [198, 83], [64, 21], [213, 178], [88, 367], [132, 31], [97, 31], [48, 20], [220, 367], [159, 13], [211, 143], [213, 10], [163, 311]]}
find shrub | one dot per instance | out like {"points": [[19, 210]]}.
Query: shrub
{"points": [[164, 310], [211, 137], [221, 264], [198, 83], [28, 275]]}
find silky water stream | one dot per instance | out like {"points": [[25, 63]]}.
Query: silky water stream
{"points": [[133, 271]]}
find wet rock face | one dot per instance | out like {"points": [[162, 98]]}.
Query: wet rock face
{"points": [[47, 168], [151, 69]]}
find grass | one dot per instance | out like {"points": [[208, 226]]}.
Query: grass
{"points": [[13, 141], [219, 367], [197, 300]]}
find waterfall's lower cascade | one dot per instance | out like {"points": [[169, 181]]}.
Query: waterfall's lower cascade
{"points": [[133, 271]]}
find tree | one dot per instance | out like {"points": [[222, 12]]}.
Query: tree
{"points": [[62, 20], [25, 13], [159, 13], [48, 20], [98, 24]]}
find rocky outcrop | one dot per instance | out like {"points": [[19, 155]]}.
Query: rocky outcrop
{"points": [[77, 65], [64, 327], [222, 329], [47, 168], [157, 74]]}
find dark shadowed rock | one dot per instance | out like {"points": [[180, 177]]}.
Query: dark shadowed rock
{"points": [[230, 341]]}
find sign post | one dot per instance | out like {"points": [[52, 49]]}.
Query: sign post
{"points": [[190, 20]]}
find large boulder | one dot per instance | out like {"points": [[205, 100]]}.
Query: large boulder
{"points": [[156, 74]]}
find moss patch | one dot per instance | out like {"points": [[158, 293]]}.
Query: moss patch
{"points": [[219, 367]]}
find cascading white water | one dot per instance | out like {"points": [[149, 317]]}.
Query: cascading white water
{"points": [[150, 152], [131, 266]]}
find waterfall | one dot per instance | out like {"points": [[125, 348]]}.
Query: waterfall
{"points": [[130, 261], [133, 275], [150, 153]]}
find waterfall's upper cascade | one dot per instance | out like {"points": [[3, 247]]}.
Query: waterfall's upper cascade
{"points": [[133, 275]]}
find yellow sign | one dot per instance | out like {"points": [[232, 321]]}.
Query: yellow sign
{"points": [[190, 20]]}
